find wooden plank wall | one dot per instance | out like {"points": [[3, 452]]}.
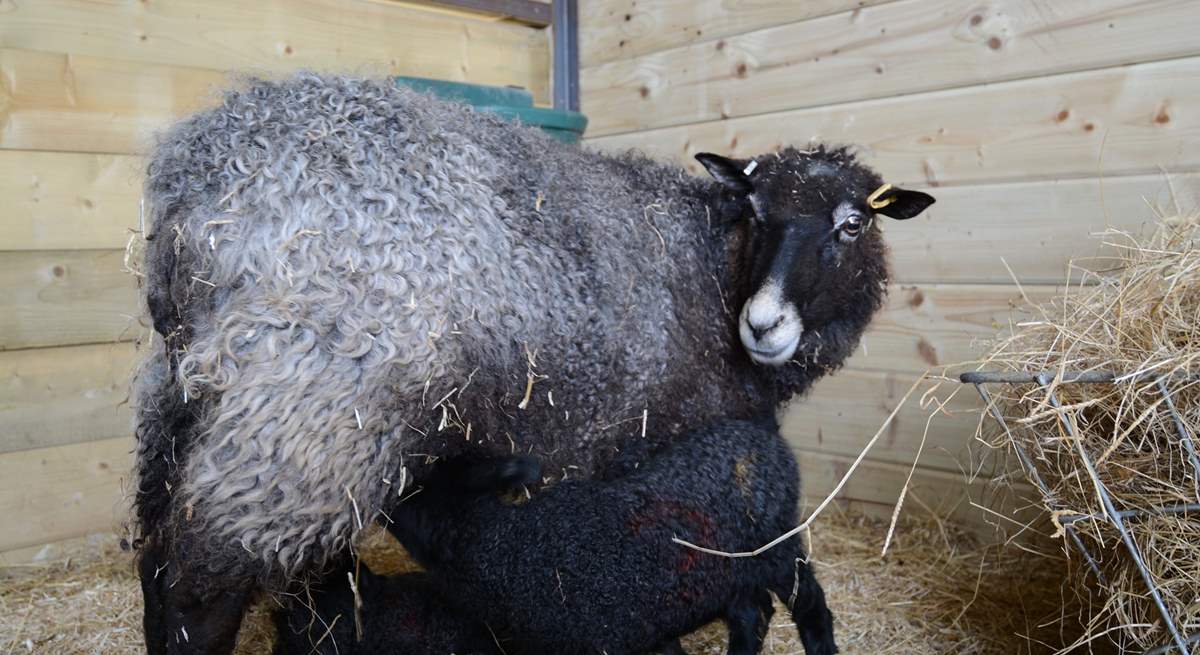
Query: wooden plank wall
{"points": [[84, 86], [1036, 123]]}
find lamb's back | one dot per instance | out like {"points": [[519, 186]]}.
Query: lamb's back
{"points": [[588, 549]]}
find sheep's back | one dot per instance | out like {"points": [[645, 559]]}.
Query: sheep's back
{"points": [[354, 275]]}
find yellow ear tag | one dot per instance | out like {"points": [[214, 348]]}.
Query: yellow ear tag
{"points": [[873, 200]]}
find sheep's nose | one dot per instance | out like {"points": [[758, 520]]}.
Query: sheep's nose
{"points": [[761, 328]]}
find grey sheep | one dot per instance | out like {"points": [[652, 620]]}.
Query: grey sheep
{"points": [[351, 281]]}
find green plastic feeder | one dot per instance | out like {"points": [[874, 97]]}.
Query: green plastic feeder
{"points": [[510, 103]]}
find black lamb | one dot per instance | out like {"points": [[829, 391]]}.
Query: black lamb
{"points": [[589, 566]]}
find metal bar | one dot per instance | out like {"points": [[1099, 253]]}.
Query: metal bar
{"points": [[566, 55], [1167, 648], [1021, 377], [1022, 456], [526, 11], [1031, 471], [1183, 434], [1134, 513], [1087, 554], [1082, 377], [1117, 522]]}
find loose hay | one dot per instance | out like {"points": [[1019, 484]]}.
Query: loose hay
{"points": [[1141, 320], [937, 592]]}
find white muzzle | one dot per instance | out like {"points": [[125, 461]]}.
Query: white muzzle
{"points": [[769, 327]]}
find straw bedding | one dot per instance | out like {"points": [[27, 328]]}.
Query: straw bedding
{"points": [[1140, 318], [937, 592]]}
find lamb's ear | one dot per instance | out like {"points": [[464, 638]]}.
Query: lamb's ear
{"points": [[901, 204], [731, 173]]}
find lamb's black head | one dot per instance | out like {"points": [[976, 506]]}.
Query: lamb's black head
{"points": [[814, 252]]}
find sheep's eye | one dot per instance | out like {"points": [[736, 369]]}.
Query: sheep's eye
{"points": [[852, 226]]}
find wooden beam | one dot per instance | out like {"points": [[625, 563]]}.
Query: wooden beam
{"points": [[91, 104], [527, 11], [56, 551], [977, 233], [58, 396], [623, 29], [73, 200], [65, 297], [55, 494], [51, 494], [875, 488], [887, 50], [276, 36], [83, 201], [939, 326], [843, 411], [1119, 121], [63, 201], [64, 395]]}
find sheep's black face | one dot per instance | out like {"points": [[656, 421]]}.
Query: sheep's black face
{"points": [[814, 245]]}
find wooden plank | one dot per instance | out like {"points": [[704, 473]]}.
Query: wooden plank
{"points": [[534, 12], [64, 297], [1122, 121], [622, 29], [843, 411], [940, 326], [58, 396], [57, 551], [897, 48], [65, 201], [1036, 227], [51, 494], [874, 489], [358, 36], [92, 104], [876, 486], [938, 321], [69, 201]]}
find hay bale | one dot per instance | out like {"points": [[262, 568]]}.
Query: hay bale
{"points": [[1140, 320]]}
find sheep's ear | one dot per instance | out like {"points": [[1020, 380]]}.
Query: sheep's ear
{"points": [[731, 173], [902, 204]]}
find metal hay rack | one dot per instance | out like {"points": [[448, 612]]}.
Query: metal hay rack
{"points": [[1179, 643]]}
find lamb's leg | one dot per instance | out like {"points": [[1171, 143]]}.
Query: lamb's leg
{"points": [[748, 618], [798, 588]]}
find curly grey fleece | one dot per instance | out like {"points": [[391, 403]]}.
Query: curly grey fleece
{"points": [[359, 276]]}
